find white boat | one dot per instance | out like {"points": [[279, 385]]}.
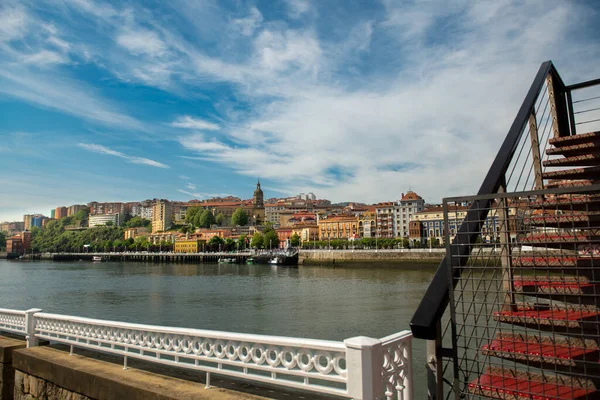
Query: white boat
{"points": [[96, 258], [274, 261]]}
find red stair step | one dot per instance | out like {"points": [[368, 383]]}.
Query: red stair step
{"points": [[570, 219], [584, 160], [563, 239], [555, 285], [544, 350], [575, 202], [561, 183], [575, 150], [500, 383], [558, 261], [592, 173], [575, 139], [560, 318]]}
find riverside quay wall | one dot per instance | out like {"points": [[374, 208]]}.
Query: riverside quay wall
{"points": [[334, 257]]}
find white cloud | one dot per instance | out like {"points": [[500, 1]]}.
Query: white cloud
{"points": [[297, 8], [13, 23], [141, 42], [248, 25], [203, 195], [56, 92], [279, 50], [435, 125], [44, 58], [97, 148], [188, 122]]}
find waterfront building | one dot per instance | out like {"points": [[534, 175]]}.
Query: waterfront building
{"points": [[189, 245], [207, 233], [60, 212], [170, 237], [258, 206], [162, 216], [308, 231], [367, 223], [14, 245], [103, 219], [53, 214], [408, 205], [26, 240], [283, 234], [385, 219], [429, 223], [341, 227]]}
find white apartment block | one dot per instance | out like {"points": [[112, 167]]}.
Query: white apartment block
{"points": [[103, 219], [408, 205]]}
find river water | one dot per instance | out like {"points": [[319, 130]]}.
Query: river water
{"points": [[308, 301]]}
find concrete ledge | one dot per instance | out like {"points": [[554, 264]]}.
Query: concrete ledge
{"points": [[100, 380], [7, 346], [7, 373]]}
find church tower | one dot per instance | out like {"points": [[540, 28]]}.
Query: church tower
{"points": [[258, 206]]}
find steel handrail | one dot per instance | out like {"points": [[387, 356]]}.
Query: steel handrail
{"points": [[433, 304]]}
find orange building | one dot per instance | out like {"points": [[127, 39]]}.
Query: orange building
{"points": [[342, 227], [60, 212]]}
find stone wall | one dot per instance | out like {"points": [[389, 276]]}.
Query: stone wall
{"points": [[7, 372], [308, 257], [29, 387]]}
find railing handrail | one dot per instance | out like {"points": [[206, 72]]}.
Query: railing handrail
{"points": [[360, 368], [436, 298], [266, 339]]}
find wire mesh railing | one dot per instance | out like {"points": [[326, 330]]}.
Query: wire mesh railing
{"points": [[525, 307], [480, 250]]}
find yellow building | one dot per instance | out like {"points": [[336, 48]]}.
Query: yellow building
{"points": [[189, 246], [162, 216], [307, 232], [343, 227]]}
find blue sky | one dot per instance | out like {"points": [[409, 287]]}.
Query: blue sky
{"points": [[352, 100]]}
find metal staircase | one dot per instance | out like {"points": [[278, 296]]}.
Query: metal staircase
{"points": [[514, 313]]}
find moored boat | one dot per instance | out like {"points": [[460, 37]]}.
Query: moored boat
{"points": [[97, 259]]}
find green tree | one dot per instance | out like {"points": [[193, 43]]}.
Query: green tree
{"points": [[137, 222], [239, 217], [241, 242], [270, 239], [220, 219], [82, 214], [295, 240], [205, 220], [190, 214], [2, 241], [229, 244], [257, 240]]}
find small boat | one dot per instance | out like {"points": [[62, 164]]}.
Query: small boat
{"points": [[226, 261], [97, 258], [274, 261], [250, 261]]}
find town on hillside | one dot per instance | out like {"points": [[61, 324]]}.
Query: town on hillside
{"points": [[230, 223]]}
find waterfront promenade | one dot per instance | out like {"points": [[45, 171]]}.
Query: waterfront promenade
{"points": [[319, 256]]}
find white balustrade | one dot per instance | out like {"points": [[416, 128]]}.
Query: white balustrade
{"points": [[12, 321], [359, 368]]}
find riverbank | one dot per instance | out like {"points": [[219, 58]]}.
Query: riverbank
{"points": [[344, 257]]}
